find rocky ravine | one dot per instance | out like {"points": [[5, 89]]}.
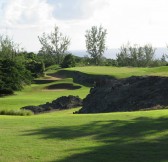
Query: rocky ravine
{"points": [[134, 93]]}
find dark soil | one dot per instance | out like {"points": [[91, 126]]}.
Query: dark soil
{"points": [[134, 93]]}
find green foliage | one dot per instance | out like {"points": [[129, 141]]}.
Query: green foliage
{"points": [[47, 58], [5, 91], [69, 61], [95, 43], [110, 62], [14, 75], [36, 68], [16, 112]]}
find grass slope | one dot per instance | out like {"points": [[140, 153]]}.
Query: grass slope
{"points": [[65, 137]]}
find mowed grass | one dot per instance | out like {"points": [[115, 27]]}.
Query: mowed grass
{"points": [[66, 137], [36, 94], [62, 136], [122, 72]]}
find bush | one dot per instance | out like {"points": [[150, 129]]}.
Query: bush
{"points": [[16, 112], [69, 61], [36, 68], [6, 91]]}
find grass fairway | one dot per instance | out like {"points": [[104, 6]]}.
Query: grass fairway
{"points": [[122, 72], [62, 136], [36, 94]]}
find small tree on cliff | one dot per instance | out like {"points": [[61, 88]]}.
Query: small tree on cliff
{"points": [[95, 43]]}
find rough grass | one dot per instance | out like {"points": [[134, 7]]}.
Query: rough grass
{"points": [[65, 137]]}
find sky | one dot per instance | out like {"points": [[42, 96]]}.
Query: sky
{"points": [[137, 21]]}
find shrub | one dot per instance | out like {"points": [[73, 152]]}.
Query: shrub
{"points": [[16, 112], [69, 61], [6, 91], [36, 68]]}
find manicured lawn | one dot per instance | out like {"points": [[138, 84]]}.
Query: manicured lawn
{"points": [[36, 94], [122, 72], [66, 137], [62, 136]]}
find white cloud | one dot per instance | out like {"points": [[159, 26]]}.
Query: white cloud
{"points": [[21, 13], [137, 21]]}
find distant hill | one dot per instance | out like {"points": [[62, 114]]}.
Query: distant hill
{"points": [[111, 53]]}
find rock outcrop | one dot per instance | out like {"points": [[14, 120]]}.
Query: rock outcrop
{"points": [[134, 93], [64, 102]]}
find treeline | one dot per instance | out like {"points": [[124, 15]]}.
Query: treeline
{"points": [[55, 46], [139, 56]]}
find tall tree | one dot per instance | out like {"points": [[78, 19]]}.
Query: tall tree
{"points": [[95, 42], [54, 44]]}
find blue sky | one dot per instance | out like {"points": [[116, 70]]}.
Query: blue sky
{"points": [[136, 21]]}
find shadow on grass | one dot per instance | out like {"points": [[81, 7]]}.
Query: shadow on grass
{"points": [[137, 140], [82, 78], [67, 86], [43, 81]]}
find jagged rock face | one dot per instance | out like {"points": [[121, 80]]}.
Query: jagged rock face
{"points": [[134, 93], [64, 102]]}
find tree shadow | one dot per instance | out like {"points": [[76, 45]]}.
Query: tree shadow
{"points": [[43, 81], [137, 140], [67, 86], [82, 78]]}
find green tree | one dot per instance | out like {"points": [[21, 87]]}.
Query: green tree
{"points": [[136, 56], [69, 61], [54, 44], [14, 75], [36, 68], [95, 43]]}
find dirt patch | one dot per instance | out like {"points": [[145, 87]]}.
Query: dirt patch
{"points": [[62, 86]]}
